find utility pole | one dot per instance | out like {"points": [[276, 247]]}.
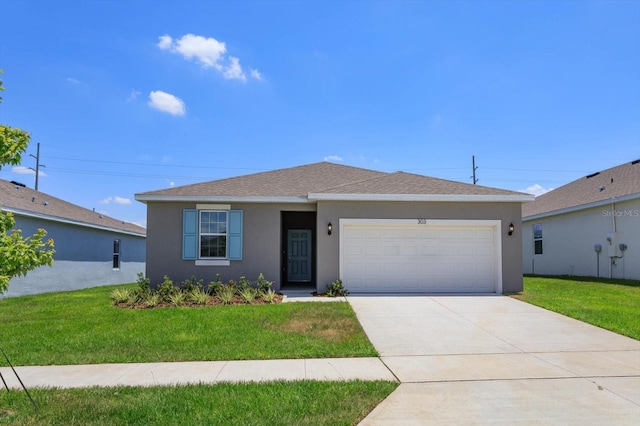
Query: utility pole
{"points": [[473, 164], [38, 165]]}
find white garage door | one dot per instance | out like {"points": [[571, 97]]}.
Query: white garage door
{"points": [[442, 256]]}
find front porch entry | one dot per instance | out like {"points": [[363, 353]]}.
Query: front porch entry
{"points": [[298, 260]]}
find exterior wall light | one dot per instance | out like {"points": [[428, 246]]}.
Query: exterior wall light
{"points": [[511, 229], [329, 228]]}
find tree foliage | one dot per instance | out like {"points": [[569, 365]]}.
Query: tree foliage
{"points": [[18, 254]]}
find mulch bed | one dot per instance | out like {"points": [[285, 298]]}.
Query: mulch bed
{"points": [[213, 301]]}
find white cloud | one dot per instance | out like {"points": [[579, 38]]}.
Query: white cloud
{"points": [[166, 102], [73, 80], [165, 42], [256, 74], [209, 53], [21, 170], [121, 200], [133, 95], [333, 158], [234, 70], [115, 200], [536, 190]]}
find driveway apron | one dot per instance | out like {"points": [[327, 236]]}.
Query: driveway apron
{"points": [[493, 359]]}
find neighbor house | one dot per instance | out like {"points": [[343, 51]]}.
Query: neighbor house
{"points": [[307, 226], [589, 227], [91, 249]]}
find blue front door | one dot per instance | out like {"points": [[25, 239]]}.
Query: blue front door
{"points": [[299, 255]]}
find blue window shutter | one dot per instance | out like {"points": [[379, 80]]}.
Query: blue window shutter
{"points": [[235, 234], [189, 234]]}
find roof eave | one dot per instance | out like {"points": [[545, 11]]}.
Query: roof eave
{"points": [[36, 215], [500, 198], [582, 207], [219, 198]]}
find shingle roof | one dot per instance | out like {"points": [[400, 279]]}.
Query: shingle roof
{"points": [[408, 183], [291, 182], [22, 200], [620, 181], [322, 178]]}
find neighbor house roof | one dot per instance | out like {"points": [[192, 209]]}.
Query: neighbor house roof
{"points": [[329, 181], [616, 184], [23, 201]]}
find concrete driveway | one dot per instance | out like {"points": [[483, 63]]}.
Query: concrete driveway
{"points": [[494, 359]]}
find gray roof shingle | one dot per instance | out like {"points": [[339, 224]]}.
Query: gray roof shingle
{"points": [[18, 198], [619, 181], [324, 178]]}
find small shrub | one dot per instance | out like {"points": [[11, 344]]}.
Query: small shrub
{"points": [[269, 296], [199, 296], [262, 283], [243, 284], [167, 289], [133, 299], [248, 294], [176, 299], [213, 286], [336, 288], [143, 285], [120, 295], [190, 284], [152, 300], [226, 293]]}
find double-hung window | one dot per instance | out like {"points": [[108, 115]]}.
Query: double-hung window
{"points": [[116, 254], [212, 234], [537, 239]]}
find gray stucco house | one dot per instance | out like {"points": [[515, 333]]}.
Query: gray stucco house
{"points": [[91, 249], [307, 226], [589, 227]]}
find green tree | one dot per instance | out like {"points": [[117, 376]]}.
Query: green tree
{"points": [[18, 254]]}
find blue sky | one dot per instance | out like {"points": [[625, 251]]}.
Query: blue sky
{"points": [[132, 96]]}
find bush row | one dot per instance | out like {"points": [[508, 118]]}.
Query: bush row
{"points": [[193, 292]]}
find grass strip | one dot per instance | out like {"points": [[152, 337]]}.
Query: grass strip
{"points": [[281, 403], [82, 327], [612, 304]]}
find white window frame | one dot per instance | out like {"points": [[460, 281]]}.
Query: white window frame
{"points": [[537, 239], [213, 261], [116, 254]]}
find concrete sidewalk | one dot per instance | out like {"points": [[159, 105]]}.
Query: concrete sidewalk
{"points": [[172, 373]]}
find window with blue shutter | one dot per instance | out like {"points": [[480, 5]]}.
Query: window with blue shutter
{"points": [[212, 234], [189, 234], [235, 234]]}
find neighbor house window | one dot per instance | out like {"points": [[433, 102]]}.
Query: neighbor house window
{"points": [[213, 234], [537, 239], [116, 254]]}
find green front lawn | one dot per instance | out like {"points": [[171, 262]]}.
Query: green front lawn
{"points": [[82, 327], [610, 304], [274, 403]]}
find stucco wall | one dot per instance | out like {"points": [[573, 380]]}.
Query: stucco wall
{"points": [[568, 242], [260, 240], [83, 258], [330, 211]]}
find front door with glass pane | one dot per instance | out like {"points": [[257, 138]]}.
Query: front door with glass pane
{"points": [[299, 255]]}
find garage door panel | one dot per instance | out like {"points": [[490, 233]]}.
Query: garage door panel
{"points": [[396, 258]]}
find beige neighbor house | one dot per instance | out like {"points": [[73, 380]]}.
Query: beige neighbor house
{"points": [[589, 227], [92, 249], [307, 226]]}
